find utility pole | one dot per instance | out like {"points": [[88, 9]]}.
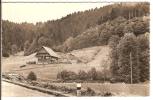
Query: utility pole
{"points": [[131, 67], [104, 69], [104, 74], [43, 61]]}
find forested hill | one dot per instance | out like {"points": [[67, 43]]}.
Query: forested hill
{"points": [[84, 27]]}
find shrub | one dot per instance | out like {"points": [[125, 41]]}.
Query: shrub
{"points": [[72, 75], [59, 75], [108, 94], [92, 74], [63, 74], [82, 75], [54, 87], [67, 75], [5, 76], [113, 80], [117, 79], [31, 62], [100, 75], [34, 83], [90, 92], [5, 54], [32, 76], [107, 74]]}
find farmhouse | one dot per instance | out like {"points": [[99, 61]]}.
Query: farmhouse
{"points": [[46, 55]]}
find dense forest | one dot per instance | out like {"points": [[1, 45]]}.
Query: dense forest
{"points": [[74, 27], [123, 26]]}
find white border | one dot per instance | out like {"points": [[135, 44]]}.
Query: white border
{"points": [[75, 0], [97, 98]]}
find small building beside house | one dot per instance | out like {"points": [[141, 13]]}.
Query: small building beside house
{"points": [[46, 55]]}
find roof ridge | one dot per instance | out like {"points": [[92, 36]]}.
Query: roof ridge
{"points": [[51, 52]]}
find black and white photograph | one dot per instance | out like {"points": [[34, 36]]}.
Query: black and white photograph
{"points": [[74, 49]]}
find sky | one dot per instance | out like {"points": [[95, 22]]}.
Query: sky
{"points": [[36, 12]]}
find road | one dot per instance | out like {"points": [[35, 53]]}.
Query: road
{"points": [[11, 90]]}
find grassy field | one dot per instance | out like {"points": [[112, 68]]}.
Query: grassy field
{"points": [[95, 55], [117, 89], [49, 73], [44, 72]]}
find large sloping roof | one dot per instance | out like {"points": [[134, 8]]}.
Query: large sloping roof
{"points": [[51, 52]]}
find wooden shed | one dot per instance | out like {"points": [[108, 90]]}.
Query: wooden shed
{"points": [[46, 55]]}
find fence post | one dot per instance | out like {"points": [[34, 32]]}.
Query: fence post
{"points": [[78, 89]]}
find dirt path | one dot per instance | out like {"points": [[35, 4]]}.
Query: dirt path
{"points": [[11, 90]]}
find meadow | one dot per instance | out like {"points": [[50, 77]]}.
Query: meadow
{"points": [[48, 73]]}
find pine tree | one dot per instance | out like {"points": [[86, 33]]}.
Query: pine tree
{"points": [[26, 45], [144, 54], [128, 58], [113, 41], [14, 49]]}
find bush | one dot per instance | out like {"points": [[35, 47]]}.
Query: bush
{"points": [[59, 75], [92, 74], [34, 83], [88, 92], [31, 62], [72, 75], [63, 74], [32, 76], [5, 76], [5, 54], [108, 94], [113, 80], [67, 75], [100, 75], [82, 75], [47, 85], [107, 74], [116, 79]]}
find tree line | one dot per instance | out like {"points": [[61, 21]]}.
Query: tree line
{"points": [[101, 34], [130, 58], [122, 26], [53, 33]]}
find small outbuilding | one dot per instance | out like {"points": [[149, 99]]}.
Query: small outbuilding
{"points": [[46, 55]]}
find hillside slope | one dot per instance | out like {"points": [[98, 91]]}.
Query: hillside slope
{"points": [[94, 56], [101, 58], [86, 54], [100, 34], [54, 33]]}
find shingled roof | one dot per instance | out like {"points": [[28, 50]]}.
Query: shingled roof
{"points": [[51, 52]]}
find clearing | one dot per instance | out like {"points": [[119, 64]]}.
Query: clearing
{"points": [[97, 57], [93, 56]]}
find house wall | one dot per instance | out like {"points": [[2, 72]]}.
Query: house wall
{"points": [[44, 57]]}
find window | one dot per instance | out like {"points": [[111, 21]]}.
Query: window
{"points": [[47, 57]]}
